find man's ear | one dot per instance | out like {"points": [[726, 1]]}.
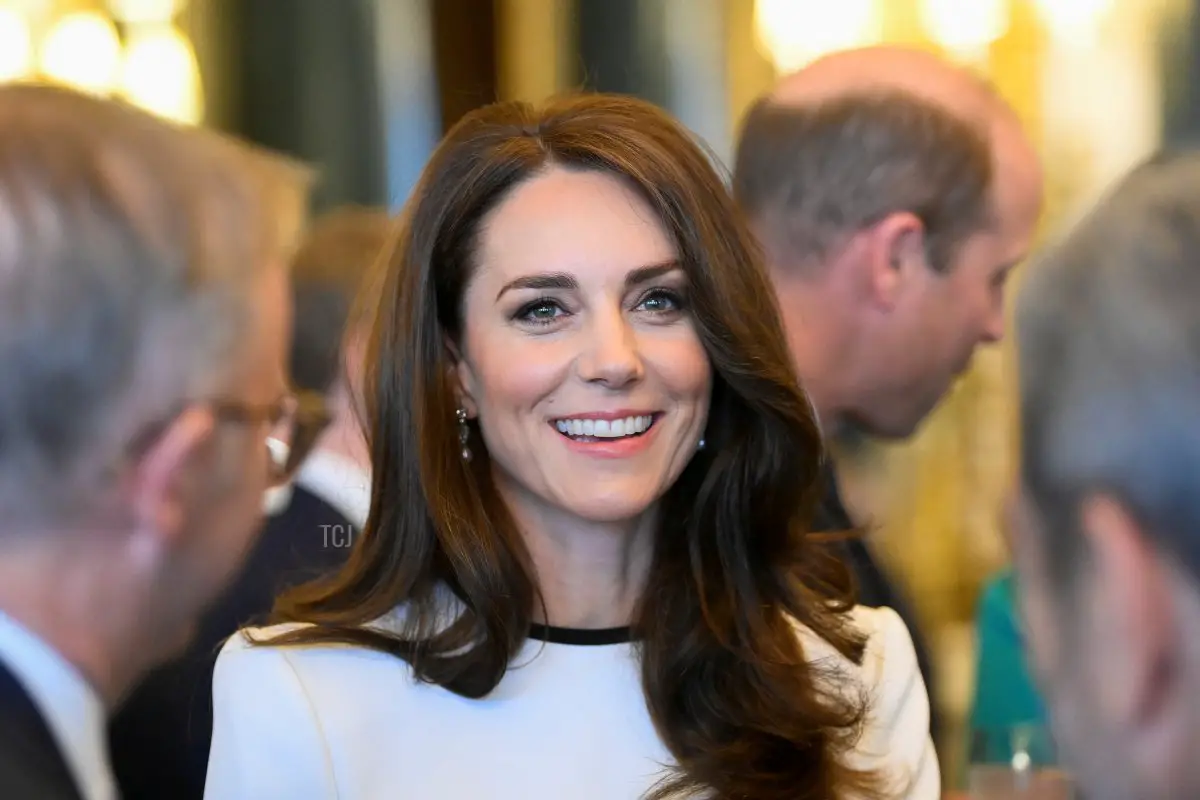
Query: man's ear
{"points": [[168, 474], [894, 254], [1133, 607], [462, 378]]}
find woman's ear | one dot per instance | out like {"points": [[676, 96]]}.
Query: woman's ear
{"points": [[462, 378]]}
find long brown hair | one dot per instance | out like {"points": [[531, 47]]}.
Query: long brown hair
{"points": [[729, 689]]}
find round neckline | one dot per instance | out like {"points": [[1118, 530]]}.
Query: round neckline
{"points": [[587, 637]]}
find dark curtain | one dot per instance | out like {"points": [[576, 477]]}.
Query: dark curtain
{"points": [[621, 48], [464, 46], [304, 83], [1180, 60]]}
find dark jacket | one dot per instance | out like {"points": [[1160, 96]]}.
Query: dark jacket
{"points": [[31, 765]]}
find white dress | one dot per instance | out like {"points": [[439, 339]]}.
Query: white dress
{"points": [[567, 721]]}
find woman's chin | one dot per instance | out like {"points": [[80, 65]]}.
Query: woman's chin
{"points": [[611, 508]]}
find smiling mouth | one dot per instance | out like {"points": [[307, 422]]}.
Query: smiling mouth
{"points": [[605, 430]]}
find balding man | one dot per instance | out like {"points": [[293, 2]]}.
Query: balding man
{"points": [[144, 327], [892, 193]]}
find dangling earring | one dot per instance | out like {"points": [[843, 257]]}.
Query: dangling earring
{"points": [[700, 444], [464, 433]]}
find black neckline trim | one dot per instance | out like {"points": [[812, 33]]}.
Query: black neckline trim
{"points": [[580, 636]]}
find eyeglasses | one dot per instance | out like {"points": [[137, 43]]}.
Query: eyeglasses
{"points": [[296, 422], [295, 419]]}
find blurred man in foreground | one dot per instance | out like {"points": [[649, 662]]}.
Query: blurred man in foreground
{"points": [[161, 736], [1106, 525], [892, 193], [144, 329]]}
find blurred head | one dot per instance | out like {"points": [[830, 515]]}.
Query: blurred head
{"points": [[328, 271], [143, 335], [1106, 527], [896, 193], [577, 281]]}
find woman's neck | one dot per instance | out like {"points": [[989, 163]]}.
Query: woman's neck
{"points": [[591, 575]]}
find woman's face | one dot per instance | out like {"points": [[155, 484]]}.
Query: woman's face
{"points": [[579, 355]]}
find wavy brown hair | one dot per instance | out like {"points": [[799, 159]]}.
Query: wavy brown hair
{"points": [[734, 698]]}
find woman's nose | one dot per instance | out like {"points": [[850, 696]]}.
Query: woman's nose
{"points": [[610, 352]]}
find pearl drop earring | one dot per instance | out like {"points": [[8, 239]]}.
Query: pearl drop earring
{"points": [[464, 433], [700, 444]]}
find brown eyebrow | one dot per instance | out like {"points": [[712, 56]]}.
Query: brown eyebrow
{"points": [[561, 280], [649, 273], [555, 280]]}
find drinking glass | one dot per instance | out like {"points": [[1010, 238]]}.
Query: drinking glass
{"points": [[1016, 763]]}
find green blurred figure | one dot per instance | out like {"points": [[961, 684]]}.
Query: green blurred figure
{"points": [[1005, 693]]}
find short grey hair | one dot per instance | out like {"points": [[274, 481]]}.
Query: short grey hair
{"points": [[1108, 330], [811, 176], [127, 249]]}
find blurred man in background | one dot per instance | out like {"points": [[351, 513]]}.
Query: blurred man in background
{"points": [[144, 327], [892, 193], [1106, 527], [161, 736], [327, 354]]}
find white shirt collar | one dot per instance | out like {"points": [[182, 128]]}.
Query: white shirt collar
{"points": [[70, 706], [340, 482]]}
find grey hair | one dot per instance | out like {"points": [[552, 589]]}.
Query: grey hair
{"points": [[127, 249], [1108, 330], [811, 176]]}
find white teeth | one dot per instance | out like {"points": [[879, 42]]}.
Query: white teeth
{"points": [[603, 428]]}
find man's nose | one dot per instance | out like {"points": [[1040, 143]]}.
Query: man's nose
{"points": [[994, 325]]}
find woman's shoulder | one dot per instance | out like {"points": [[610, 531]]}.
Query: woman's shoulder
{"points": [[250, 637], [895, 736], [889, 647], [270, 643]]}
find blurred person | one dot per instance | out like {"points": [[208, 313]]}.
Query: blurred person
{"points": [[892, 193], [1006, 695], [589, 575], [160, 737], [1106, 523], [328, 274], [143, 339]]}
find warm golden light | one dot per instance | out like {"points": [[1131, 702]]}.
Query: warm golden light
{"points": [[83, 51], [160, 74], [793, 32], [1074, 20], [966, 28], [16, 46], [144, 12]]}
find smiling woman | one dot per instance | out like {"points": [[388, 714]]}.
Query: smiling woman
{"points": [[592, 471], [581, 325]]}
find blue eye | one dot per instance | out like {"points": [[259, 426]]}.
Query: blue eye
{"points": [[661, 301], [542, 311]]}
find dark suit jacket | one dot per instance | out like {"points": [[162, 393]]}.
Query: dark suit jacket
{"points": [[31, 765], [875, 588], [160, 737]]}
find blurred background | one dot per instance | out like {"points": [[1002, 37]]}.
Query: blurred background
{"points": [[364, 88]]}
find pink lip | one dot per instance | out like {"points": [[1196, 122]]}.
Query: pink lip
{"points": [[624, 447]]}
